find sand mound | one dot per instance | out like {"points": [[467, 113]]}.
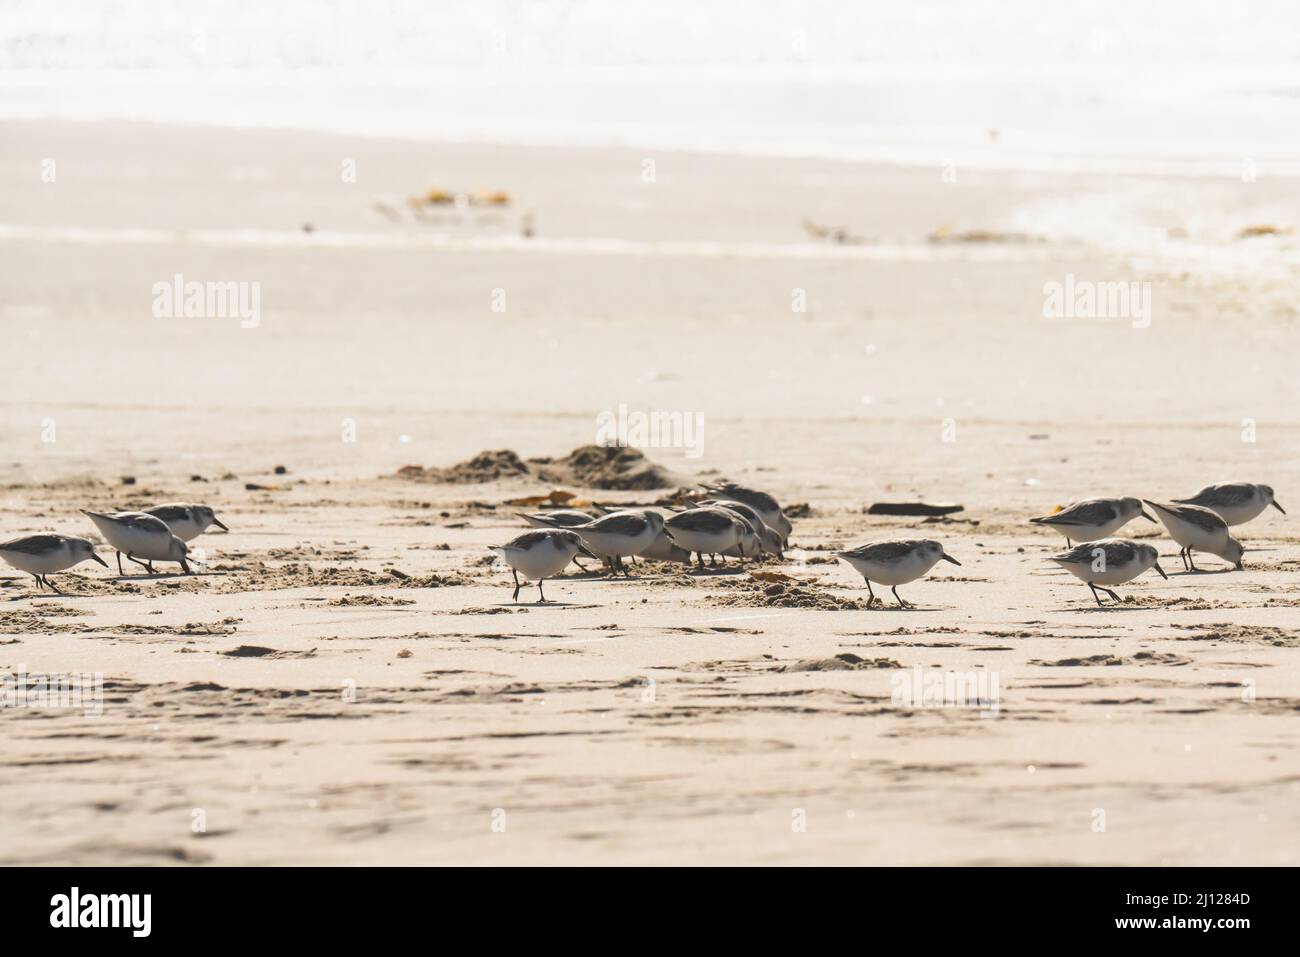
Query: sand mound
{"points": [[779, 595], [484, 467], [842, 662], [590, 466]]}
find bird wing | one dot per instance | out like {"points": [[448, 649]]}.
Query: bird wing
{"points": [[700, 520], [1117, 552], [32, 544], [1202, 518], [620, 523], [527, 540], [882, 551], [1084, 513], [170, 513]]}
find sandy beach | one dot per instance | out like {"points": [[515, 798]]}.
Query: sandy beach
{"points": [[346, 681]]}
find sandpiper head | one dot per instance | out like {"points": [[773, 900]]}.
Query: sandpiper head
{"points": [[935, 551], [84, 549], [771, 541], [562, 536], [1267, 492], [655, 521], [1150, 558], [205, 516], [1132, 507], [1233, 552]]}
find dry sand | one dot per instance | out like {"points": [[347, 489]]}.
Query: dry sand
{"points": [[348, 682]]}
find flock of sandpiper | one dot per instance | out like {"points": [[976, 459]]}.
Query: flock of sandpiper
{"points": [[736, 521], [748, 523]]}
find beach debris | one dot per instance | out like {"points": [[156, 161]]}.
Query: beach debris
{"points": [[556, 498], [945, 234], [1264, 229], [836, 234], [436, 196], [489, 197], [281, 470], [128, 479], [914, 508]]}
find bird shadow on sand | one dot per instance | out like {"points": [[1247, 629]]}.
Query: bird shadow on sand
{"points": [[53, 596], [163, 576], [549, 603], [909, 608], [1109, 606]]}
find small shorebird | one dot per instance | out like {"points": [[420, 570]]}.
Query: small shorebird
{"points": [[895, 563], [40, 555], [1194, 527], [564, 518], [557, 518], [766, 506], [540, 555], [1111, 561], [711, 531], [140, 536], [186, 521], [1093, 518], [1234, 502], [769, 539], [621, 534]]}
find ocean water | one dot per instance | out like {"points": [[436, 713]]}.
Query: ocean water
{"points": [[1162, 86]]}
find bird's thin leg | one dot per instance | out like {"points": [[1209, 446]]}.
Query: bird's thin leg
{"points": [[1094, 594], [699, 557], [1191, 561], [1068, 543], [149, 565], [872, 600], [132, 558], [38, 581], [579, 564], [53, 587], [120, 573], [1182, 553], [541, 593], [1113, 595], [516, 594], [901, 603], [722, 560]]}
